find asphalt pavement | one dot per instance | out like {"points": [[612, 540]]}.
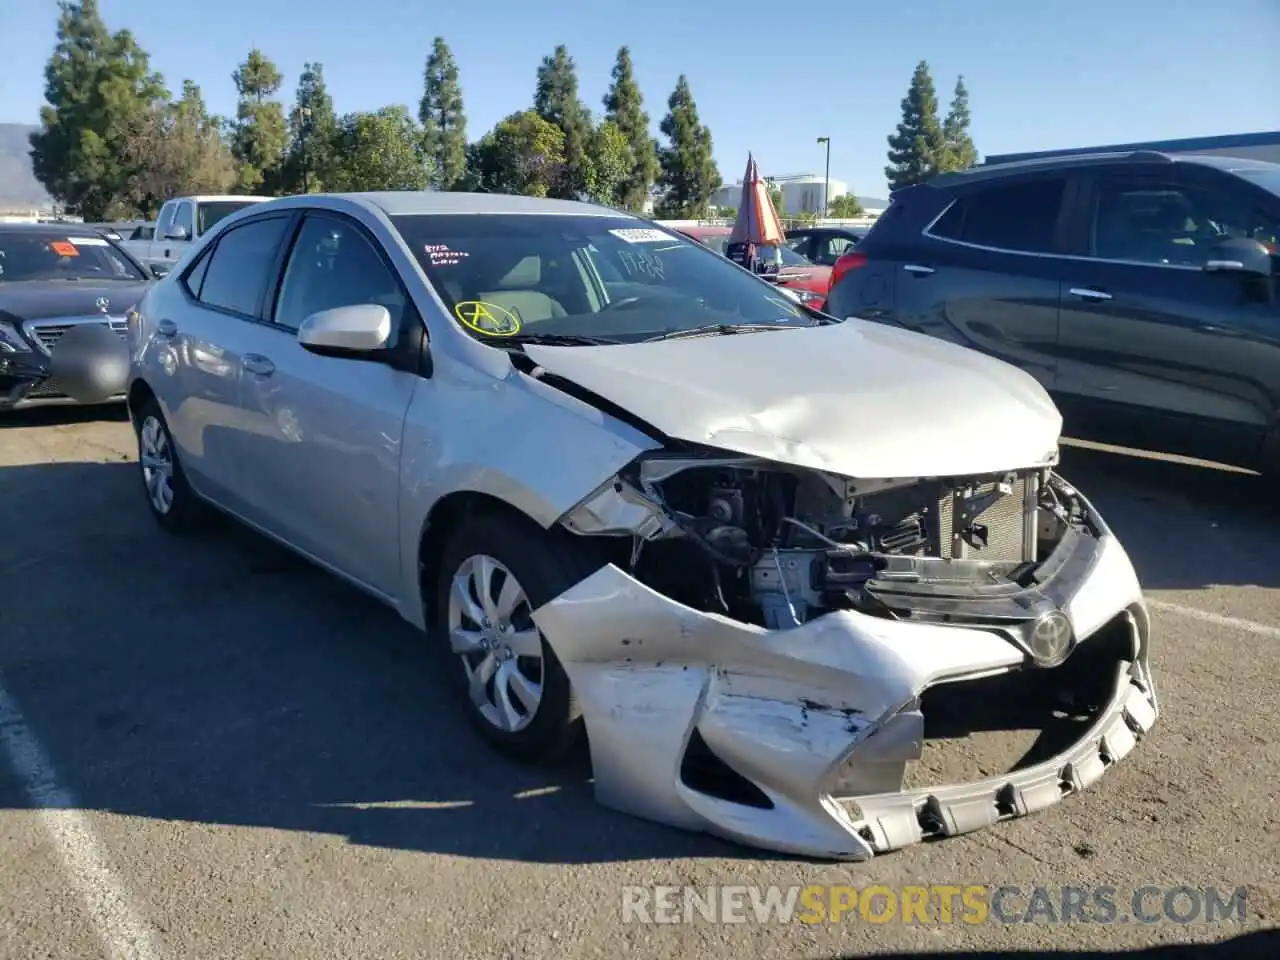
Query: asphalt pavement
{"points": [[209, 749]]}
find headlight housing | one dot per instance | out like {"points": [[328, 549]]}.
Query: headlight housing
{"points": [[11, 341]]}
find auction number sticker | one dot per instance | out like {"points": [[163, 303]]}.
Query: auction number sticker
{"points": [[88, 241], [487, 318], [641, 235], [64, 249]]}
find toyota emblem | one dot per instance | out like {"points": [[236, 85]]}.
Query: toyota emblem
{"points": [[103, 304], [1051, 639]]}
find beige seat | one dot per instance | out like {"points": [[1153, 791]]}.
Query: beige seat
{"points": [[517, 292]]}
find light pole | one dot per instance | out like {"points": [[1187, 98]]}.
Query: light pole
{"points": [[826, 183]]}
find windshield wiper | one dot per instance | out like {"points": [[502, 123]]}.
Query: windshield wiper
{"points": [[721, 329], [555, 339]]}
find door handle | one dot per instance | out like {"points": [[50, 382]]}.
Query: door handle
{"points": [[919, 269], [1085, 293], [258, 365], [166, 329]]}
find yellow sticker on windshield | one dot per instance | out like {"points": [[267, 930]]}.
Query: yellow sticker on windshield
{"points": [[487, 318], [787, 305]]}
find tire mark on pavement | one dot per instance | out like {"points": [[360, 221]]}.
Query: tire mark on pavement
{"points": [[120, 928]]}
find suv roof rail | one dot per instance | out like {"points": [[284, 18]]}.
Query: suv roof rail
{"points": [[1151, 156]]}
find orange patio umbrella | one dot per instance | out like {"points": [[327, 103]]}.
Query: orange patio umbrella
{"points": [[757, 223]]}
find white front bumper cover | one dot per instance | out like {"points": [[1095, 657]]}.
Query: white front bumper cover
{"points": [[817, 724]]}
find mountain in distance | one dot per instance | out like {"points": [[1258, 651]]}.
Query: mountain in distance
{"points": [[20, 191]]}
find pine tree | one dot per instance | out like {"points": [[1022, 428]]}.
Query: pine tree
{"points": [[624, 105], [259, 134], [98, 86], [689, 173], [916, 149], [556, 100], [959, 152], [312, 129], [444, 124]]}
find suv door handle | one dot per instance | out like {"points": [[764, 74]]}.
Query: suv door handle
{"points": [[259, 365], [919, 269], [166, 329], [1086, 293]]}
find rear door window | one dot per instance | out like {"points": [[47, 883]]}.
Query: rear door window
{"points": [[242, 265], [1019, 217]]}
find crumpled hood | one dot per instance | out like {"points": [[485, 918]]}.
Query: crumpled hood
{"points": [[855, 398]]}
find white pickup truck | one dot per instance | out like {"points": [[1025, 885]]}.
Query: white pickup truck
{"points": [[182, 221]]}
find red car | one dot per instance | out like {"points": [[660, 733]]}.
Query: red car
{"points": [[810, 280]]}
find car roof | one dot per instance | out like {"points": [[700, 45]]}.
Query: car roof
{"points": [[52, 229], [411, 202], [998, 170]]}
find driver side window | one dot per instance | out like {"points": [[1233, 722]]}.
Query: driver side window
{"points": [[333, 264]]}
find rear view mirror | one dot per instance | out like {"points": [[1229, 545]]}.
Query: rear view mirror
{"points": [[1241, 257], [177, 233], [352, 331]]}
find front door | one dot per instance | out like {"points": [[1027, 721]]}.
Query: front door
{"points": [[325, 471], [1157, 352]]}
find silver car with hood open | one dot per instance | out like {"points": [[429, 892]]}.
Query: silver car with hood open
{"points": [[807, 584]]}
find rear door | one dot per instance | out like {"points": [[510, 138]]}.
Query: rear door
{"points": [[985, 273], [1157, 352]]}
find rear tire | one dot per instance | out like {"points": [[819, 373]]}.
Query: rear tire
{"points": [[494, 570], [172, 502]]}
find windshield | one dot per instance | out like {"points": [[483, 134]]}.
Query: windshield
{"points": [[569, 276], [212, 211], [48, 256]]}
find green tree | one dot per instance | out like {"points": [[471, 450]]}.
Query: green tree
{"points": [[259, 134], [777, 198], [381, 150], [313, 128], [689, 173], [444, 124], [97, 86], [611, 165], [959, 153], [846, 207], [916, 148], [556, 101], [174, 150], [624, 106], [523, 154]]}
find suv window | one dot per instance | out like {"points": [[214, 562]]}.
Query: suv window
{"points": [[334, 265], [1020, 216], [1149, 221], [241, 265], [184, 219], [831, 248]]}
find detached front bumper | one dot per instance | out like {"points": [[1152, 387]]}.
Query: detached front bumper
{"points": [[806, 740]]}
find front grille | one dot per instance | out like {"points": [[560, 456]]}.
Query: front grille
{"points": [[48, 332], [988, 521]]}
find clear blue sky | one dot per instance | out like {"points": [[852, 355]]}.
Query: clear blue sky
{"points": [[768, 77]]}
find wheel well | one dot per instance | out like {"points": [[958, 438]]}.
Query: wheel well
{"points": [[139, 393], [443, 519]]}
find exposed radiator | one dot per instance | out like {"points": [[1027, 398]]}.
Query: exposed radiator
{"points": [[982, 522]]}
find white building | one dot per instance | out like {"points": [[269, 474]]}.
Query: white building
{"points": [[800, 194]]}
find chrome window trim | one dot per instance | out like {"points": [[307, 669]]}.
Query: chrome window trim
{"points": [[928, 233]]}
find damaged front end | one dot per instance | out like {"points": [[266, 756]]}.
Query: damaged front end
{"points": [[839, 667]]}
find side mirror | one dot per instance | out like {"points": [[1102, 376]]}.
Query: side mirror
{"points": [[1239, 257], [158, 271], [177, 233], [353, 331]]}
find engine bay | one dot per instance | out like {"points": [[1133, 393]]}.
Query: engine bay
{"points": [[776, 545]]}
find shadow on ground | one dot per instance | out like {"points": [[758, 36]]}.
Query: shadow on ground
{"points": [[1260, 945]]}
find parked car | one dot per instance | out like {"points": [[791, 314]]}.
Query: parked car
{"points": [[183, 221], [1140, 289], [825, 245], [808, 281], [761, 556], [54, 277]]}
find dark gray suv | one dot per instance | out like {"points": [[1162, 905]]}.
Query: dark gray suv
{"points": [[1142, 290]]}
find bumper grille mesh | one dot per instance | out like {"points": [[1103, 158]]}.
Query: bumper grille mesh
{"points": [[48, 333]]}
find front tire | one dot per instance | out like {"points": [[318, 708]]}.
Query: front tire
{"points": [[494, 571], [173, 504]]}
